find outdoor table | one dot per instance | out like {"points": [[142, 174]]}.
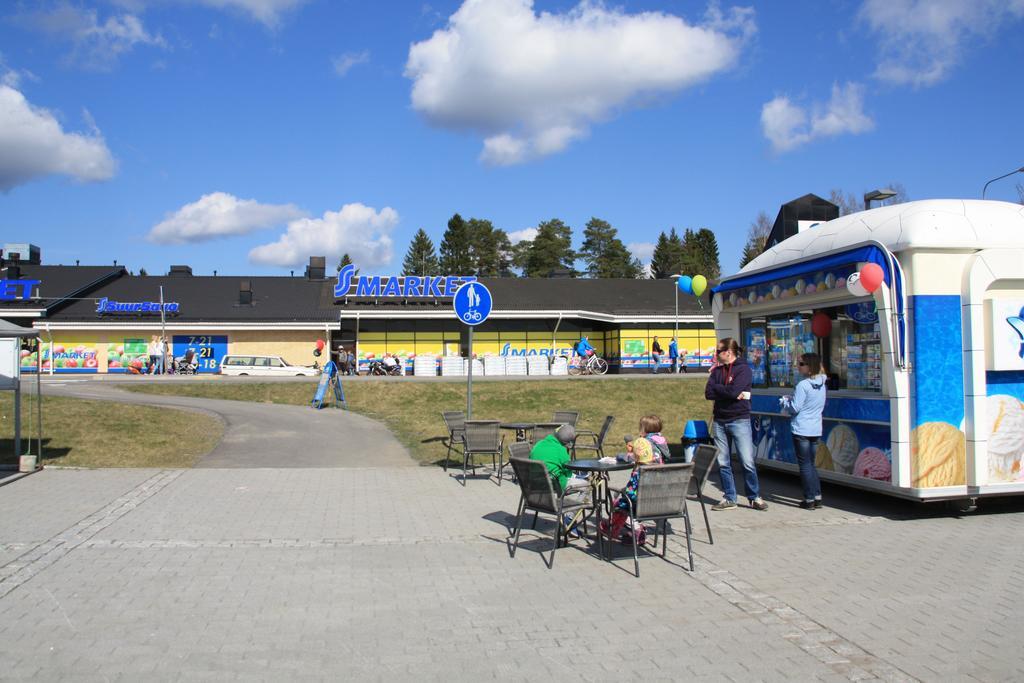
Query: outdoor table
{"points": [[520, 428], [598, 473]]}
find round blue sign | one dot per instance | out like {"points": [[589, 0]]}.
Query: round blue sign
{"points": [[472, 303]]}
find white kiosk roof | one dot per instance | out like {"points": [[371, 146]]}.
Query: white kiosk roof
{"points": [[928, 224], [8, 330]]}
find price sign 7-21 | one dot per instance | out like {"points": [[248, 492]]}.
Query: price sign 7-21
{"points": [[209, 349]]}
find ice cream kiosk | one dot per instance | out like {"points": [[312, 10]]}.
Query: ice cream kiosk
{"points": [[917, 310]]}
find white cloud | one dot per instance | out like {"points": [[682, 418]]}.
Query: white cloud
{"points": [[921, 41], [33, 144], [95, 44], [642, 250], [343, 63], [219, 214], [532, 83], [357, 230], [267, 12], [787, 125], [524, 235]]}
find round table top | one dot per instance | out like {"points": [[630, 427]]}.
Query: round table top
{"points": [[595, 465], [518, 425]]}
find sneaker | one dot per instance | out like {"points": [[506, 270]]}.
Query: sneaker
{"points": [[807, 504], [759, 504], [817, 503], [724, 504]]}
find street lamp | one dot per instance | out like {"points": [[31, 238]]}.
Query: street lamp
{"points": [[675, 328], [1006, 175], [878, 195]]}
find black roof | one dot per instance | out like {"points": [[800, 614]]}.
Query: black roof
{"points": [[60, 283], [299, 299]]}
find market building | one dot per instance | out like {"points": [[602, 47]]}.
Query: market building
{"points": [[99, 319]]}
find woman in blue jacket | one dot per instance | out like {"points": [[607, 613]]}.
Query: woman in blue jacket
{"points": [[806, 405]]}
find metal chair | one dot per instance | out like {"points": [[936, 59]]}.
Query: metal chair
{"points": [[661, 496], [544, 429], [598, 445], [566, 417], [518, 449], [483, 437], [704, 458], [538, 495], [455, 422]]}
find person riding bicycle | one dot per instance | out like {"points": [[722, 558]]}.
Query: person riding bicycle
{"points": [[583, 348]]}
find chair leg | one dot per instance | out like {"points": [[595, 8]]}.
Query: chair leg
{"points": [[519, 523], [664, 537], [689, 529], [448, 455], [534, 525]]}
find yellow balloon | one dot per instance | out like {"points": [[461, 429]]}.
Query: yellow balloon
{"points": [[700, 283]]}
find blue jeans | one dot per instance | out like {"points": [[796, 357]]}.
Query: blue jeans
{"points": [[656, 358], [156, 365], [736, 433], [806, 447]]}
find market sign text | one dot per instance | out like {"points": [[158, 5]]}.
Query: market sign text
{"points": [[386, 286], [105, 305], [9, 289]]}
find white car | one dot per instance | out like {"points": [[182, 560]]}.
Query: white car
{"points": [[263, 366]]}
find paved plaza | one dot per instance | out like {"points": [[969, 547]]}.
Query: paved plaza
{"points": [[400, 573]]}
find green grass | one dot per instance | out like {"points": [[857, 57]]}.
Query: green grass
{"points": [[412, 410], [84, 433]]}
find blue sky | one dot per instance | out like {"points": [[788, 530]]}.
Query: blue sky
{"points": [[246, 135]]}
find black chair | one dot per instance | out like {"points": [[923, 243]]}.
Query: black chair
{"points": [[482, 437], [538, 495], [661, 496], [566, 417], [598, 445], [455, 422], [518, 449], [704, 458], [544, 429]]}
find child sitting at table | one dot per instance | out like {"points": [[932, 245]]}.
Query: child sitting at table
{"points": [[650, 448]]}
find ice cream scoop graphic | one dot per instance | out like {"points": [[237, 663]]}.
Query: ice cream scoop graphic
{"points": [[1005, 437], [938, 454], [843, 446], [872, 464]]}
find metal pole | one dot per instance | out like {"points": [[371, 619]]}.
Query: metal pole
{"points": [[984, 189], [675, 331], [469, 378], [163, 333]]}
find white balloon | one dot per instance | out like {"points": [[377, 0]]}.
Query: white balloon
{"points": [[854, 287]]}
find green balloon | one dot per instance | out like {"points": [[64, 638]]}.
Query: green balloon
{"points": [[699, 284]]}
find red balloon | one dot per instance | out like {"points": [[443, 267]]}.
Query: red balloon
{"points": [[821, 324], [871, 276], [320, 344]]}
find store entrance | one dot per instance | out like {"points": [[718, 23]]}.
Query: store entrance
{"points": [[344, 339]]}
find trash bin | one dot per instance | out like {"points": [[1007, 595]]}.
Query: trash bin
{"points": [[695, 433]]}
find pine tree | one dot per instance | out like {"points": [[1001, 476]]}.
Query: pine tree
{"points": [[420, 259], [143, 273], [490, 249], [455, 248], [667, 259], [346, 260], [550, 250], [700, 254], [605, 254]]}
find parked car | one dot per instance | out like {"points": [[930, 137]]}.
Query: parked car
{"points": [[264, 366]]}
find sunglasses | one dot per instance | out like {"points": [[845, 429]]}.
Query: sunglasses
{"points": [[802, 364]]}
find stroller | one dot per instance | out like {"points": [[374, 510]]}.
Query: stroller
{"points": [[186, 365]]}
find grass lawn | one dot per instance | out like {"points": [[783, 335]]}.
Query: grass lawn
{"points": [[412, 410], [83, 433]]}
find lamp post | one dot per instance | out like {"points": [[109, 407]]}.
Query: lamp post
{"points": [[878, 195], [1005, 175], [675, 327]]}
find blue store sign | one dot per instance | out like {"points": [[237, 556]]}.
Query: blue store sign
{"points": [[12, 290], [381, 286], [472, 303], [105, 305], [210, 349]]}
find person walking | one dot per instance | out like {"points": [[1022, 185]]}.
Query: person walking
{"points": [[729, 385], [165, 350], [353, 369], [153, 351], [673, 355], [656, 354], [806, 405]]}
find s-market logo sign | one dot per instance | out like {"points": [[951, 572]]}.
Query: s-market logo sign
{"points": [[380, 286], [105, 305]]}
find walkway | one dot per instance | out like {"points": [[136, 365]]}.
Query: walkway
{"points": [[270, 435]]}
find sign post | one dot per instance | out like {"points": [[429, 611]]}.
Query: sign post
{"points": [[472, 304]]}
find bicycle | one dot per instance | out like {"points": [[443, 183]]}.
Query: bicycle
{"points": [[592, 365]]}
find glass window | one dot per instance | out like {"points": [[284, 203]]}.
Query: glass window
{"points": [[276, 363], [262, 362]]}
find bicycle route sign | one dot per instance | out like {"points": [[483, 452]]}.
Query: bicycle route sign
{"points": [[472, 303]]}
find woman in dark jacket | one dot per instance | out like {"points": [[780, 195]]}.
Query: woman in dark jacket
{"points": [[729, 387]]}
